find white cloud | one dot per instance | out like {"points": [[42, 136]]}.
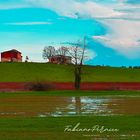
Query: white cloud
{"points": [[124, 36], [123, 33], [122, 20], [67, 8], [73, 7], [91, 54], [28, 23]]}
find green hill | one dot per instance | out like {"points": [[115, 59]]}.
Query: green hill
{"points": [[23, 72]]}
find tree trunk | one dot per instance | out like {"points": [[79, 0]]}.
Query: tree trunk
{"points": [[77, 77]]}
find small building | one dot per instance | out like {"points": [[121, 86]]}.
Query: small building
{"points": [[60, 59], [11, 56]]}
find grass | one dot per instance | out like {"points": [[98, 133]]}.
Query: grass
{"points": [[53, 128], [24, 72], [71, 93]]}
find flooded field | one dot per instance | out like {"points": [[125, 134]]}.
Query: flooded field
{"points": [[44, 106], [40, 117]]}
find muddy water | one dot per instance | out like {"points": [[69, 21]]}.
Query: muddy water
{"points": [[43, 106]]}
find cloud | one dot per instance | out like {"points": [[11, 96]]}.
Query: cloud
{"points": [[123, 32], [122, 19], [73, 8], [28, 23], [91, 54], [123, 36]]}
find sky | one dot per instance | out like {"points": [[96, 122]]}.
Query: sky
{"points": [[111, 27]]}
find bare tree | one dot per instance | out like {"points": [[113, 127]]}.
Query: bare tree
{"points": [[62, 51], [48, 52], [78, 53]]}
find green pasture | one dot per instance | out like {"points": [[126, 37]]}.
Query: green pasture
{"points": [[53, 128], [72, 93], [24, 72]]}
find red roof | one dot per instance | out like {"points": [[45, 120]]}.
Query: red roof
{"points": [[13, 50]]}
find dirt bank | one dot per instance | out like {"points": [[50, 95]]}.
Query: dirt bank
{"points": [[99, 86]]}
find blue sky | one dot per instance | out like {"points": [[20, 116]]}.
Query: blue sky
{"points": [[112, 28]]}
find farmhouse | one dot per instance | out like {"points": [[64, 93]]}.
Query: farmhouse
{"points": [[11, 56], [60, 59]]}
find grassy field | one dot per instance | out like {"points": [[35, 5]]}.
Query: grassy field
{"points": [[33, 127], [52, 128], [72, 93], [23, 72]]}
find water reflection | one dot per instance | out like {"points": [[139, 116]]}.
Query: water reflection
{"points": [[97, 106], [100, 106], [43, 106], [84, 106]]}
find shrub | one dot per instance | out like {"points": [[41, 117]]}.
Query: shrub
{"points": [[38, 86]]}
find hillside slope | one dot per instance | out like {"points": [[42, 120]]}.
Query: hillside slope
{"points": [[25, 72]]}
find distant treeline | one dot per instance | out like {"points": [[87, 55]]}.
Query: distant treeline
{"points": [[130, 67]]}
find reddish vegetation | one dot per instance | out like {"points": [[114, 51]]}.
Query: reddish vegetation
{"points": [[99, 86], [12, 86]]}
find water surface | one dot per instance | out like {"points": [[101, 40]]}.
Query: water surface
{"points": [[44, 106]]}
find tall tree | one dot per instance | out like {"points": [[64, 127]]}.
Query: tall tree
{"points": [[78, 53], [48, 52]]}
